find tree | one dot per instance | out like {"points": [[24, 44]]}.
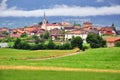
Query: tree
{"points": [[24, 35], [36, 38], [50, 44], [5, 33], [17, 43], [114, 28], [77, 42], [117, 44], [95, 40], [40, 23], [46, 35]]}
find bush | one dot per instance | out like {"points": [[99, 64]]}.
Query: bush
{"points": [[117, 44], [77, 42], [50, 44], [95, 40], [67, 46]]}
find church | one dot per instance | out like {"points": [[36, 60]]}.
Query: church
{"points": [[49, 26]]}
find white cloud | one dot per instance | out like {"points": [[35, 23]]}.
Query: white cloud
{"points": [[59, 10], [3, 5]]}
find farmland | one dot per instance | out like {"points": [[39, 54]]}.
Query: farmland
{"points": [[102, 58], [96, 64]]}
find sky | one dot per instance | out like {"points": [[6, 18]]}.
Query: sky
{"points": [[14, 13]]}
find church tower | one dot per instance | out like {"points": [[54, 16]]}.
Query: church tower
{"points": [[44, 22]]}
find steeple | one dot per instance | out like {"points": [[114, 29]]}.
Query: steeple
{"points": [[44, 22], [44, 16]]}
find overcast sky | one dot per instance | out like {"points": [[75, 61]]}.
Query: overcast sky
{"points": [[100, 10], [36, 8]]}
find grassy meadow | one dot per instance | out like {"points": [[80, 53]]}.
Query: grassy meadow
{"points": [[7, 54], [55, 75], [101, 58]]}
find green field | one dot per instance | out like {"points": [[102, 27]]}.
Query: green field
{"points": [[7, 54], [102, 58], [55, 75]]}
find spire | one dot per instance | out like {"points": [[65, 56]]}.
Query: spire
{"points": [[44, 22], [44, 16]]}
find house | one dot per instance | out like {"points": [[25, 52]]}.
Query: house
{"points": [[66, 24], [2, 35], [87, 25], [4, 29], [81, 33], [56, 34], [32, 30], [107, 31], [16, 32], [111, 41], [53, 26], [69, 28]]}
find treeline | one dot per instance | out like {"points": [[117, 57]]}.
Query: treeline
{"points": [[41, 46], [93, 39]]}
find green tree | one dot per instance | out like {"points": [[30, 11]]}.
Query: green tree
{"points": [[40, 23], [24, 35], [17, 43], [117, 44], [5, 33], [114, 28], [46, 35], [36, 38], [95, 40], [77, 42], [50, 44]]}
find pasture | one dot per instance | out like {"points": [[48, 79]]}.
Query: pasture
{"points": [[72, 67]]}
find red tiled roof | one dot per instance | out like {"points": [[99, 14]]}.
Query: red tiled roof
{"points": [[112, 39]]}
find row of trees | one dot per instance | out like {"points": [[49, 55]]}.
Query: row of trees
{"points": [[94, 40], [19, 44]]}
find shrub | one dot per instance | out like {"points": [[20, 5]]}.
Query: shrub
{"points": [[117, 44], [50, 44], [77, 42], [95, 40], [67, 46]]}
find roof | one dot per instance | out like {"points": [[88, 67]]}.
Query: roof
{"points": [[87, 23], [53, 25], [76, 32], [112, 39], [106, 29], [94, 31], [56, 32]]}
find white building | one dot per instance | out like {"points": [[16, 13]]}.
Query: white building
{"points": [[75, 33]]}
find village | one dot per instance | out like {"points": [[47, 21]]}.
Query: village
{"points": [[63, 31]]}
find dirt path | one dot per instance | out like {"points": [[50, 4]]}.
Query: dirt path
{"points": [[54, 57], [47, 68]]}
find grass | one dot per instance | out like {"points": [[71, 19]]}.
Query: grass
{"points": [[102, 58], [7, 54], [55, 75]]}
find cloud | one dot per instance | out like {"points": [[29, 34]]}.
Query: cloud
{"points": [[59, 10], [3, 5]]}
